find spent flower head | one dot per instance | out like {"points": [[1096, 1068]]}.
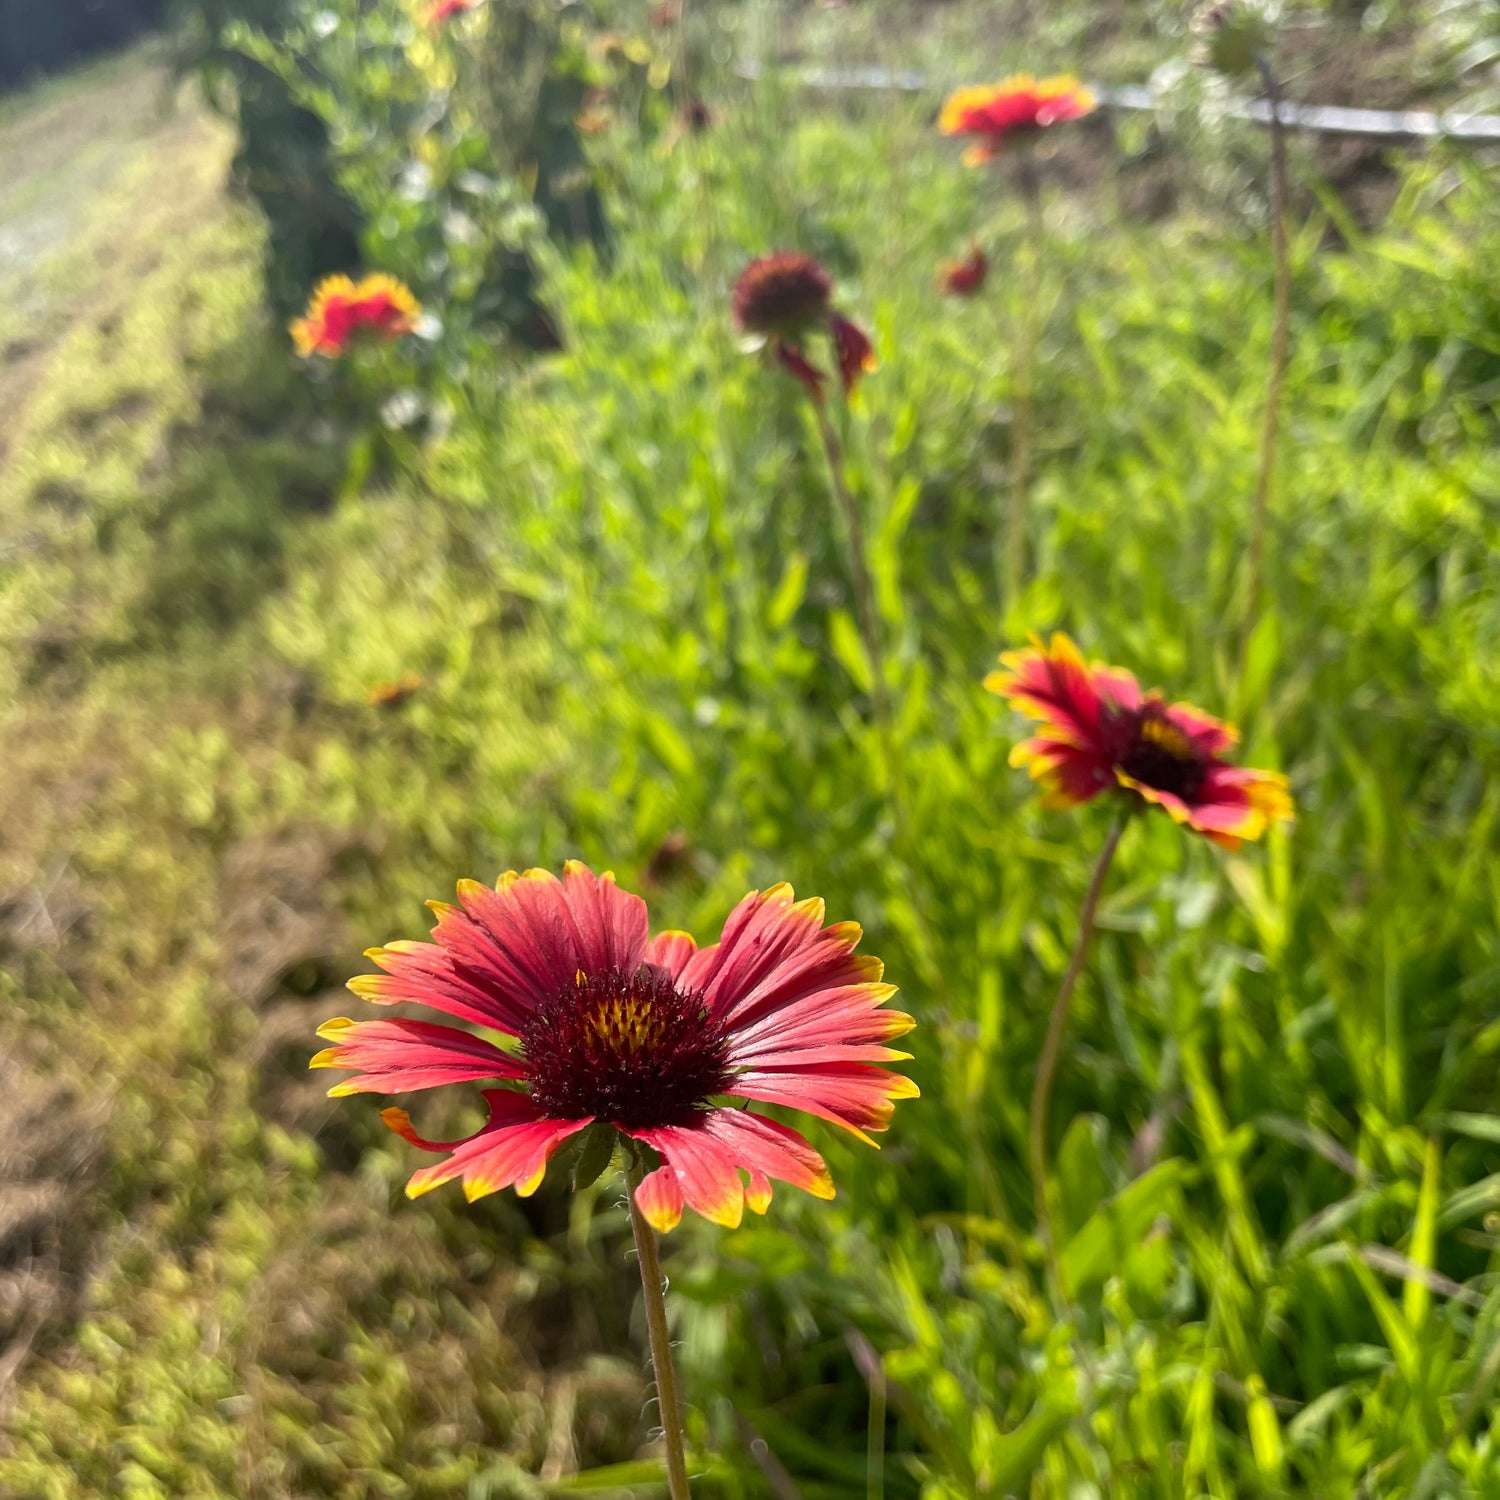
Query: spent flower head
{"points": [[963, 278], [587, 1021], [1103, 734], [781, 299], [1234, 36]]}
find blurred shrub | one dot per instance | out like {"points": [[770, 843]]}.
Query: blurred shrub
{"points": [[369, 135]]}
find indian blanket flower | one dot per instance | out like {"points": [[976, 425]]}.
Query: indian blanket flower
{"points": [[784, 298], [1102, 733], [962, 278], [602, 1023], [1015, 109], [342, 309]]}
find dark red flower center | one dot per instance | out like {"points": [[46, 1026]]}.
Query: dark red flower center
{"points": [[784, 293], [630, 1048], [1151, 749]]}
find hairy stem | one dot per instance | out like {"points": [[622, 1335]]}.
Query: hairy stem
{"points": [[1281, 339], [1046, 1069], [661, 1345]]}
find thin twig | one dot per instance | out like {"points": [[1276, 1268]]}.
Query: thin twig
{"points": [[661, 1343], [1046, 1069]]}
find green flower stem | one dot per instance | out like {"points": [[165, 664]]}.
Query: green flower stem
{"points": [[661, 1344], [1281, 338], [859, 566], [1046, 1069], [1023, 381]]}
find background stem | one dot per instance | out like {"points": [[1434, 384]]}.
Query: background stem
{"points": [[1041, 1091], [859, 566], [661, 1344], [1022, 385], [1281, 338]]}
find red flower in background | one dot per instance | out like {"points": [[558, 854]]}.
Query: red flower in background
{"points": [[962, 278], [1103, 734], [340, 309], [1014, 109], [641, 1034], [444, 10], [785, 297]]}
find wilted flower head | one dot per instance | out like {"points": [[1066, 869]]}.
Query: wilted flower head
{"points": [[604, 1026], [695, 116], [1014, 109], [1233, 35], [962, 278], [781, 299], [1103, 734], [341, 308]]}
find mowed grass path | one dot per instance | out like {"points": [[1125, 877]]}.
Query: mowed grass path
{"points": [[194, 1299]]}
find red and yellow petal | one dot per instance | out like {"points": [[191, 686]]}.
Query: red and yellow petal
{"points": [[1211, 736], [1054, 684], [754, 939], [858, 1097], [395, 1057], [341, 308], [435, 975], [1069, 775], [522, 942], [670, 951], [702, 1162], [704, 1170], [660, 1199], [511, 1151], [770, 1149], [1015, 106]]}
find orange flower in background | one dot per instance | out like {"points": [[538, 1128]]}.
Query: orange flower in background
{"points": [[393, 694], [603, 1024], [1015, 109], [962, 278], [341, 309], [441, 11], [781, 299], [1103, 734]]}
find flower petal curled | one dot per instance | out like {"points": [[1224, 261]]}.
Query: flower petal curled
{"points": [[659, 1197], [853, 349]]}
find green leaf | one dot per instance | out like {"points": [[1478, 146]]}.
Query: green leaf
{"points": [[849, 649], [790, 592], [595, 1154]]}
